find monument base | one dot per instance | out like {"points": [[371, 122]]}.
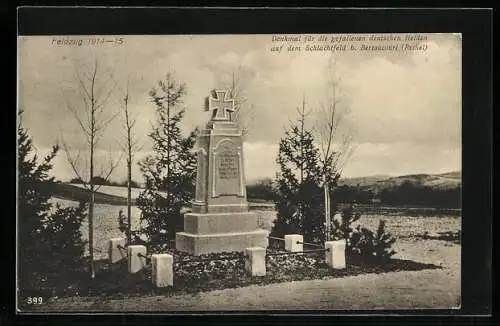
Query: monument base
{"points": [[211, 223], [197, 244]]}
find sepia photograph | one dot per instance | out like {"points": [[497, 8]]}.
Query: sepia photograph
{"points": [[248, 172]]}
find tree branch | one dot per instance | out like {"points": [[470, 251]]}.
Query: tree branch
{"points": [[73, 162], [112, 167]]}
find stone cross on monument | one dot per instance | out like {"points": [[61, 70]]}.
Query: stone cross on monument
{"points": [[220, 220], [220, 106]]}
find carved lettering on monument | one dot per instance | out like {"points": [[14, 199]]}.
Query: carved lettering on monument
{"points": [[227, 165]]}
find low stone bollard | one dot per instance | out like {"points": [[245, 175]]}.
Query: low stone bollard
{"points": [[335, 256], [135, 261], [117, 250], [255, 261], [291, 242], [162, 273]]}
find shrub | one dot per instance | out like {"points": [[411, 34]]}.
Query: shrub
{"points": [[343, 229], [361, 243], [370, 247], [133, 184], [76, 180], [262, 190], [98, 180], [50, 240], [62, 238]]}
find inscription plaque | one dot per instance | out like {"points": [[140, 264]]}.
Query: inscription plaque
{"points": [[228, 165], [227, 171]]}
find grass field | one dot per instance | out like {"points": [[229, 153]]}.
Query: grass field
{"points": [[106, 223], [400, 226]]}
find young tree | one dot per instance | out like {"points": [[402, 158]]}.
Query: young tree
{"points": [[334, 140], [131, 146], [343, 228], [371, 247], [49, 237], [170, 171], [95, 87], [298, 183], [236, 83]]}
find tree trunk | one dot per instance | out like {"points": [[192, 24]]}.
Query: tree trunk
{"points": [[169, 165], [327, 212], [129, 200], [92, 198], [91, 234]]}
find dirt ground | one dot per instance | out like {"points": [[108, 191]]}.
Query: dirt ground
{"points": [[438, 288]]}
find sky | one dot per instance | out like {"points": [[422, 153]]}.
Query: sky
{"points": [[402, 108]]}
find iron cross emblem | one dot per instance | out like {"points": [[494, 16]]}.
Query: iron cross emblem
{"points": [[221, 106]]}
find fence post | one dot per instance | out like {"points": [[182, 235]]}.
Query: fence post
{"points": [[255, 261], [335, 254], [116, 251], [293, 242], [162, 273], [135, 262]]}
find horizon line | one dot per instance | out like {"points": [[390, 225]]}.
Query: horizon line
{"points": [[342, 178]]}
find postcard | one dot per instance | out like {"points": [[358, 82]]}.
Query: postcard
{"points": [[239, 172]]}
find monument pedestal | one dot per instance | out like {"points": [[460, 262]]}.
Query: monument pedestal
{"points": [[198, 244], [220, 220]]}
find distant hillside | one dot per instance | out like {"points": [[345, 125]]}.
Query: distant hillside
{"points": [[113, 195], [79, 193], [363, 181], [452, 175], [259, 181], [118, 191], [377, 183], [259, 190]]}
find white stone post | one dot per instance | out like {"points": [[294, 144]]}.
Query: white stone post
{"points": [[135, 261], [116, 250], [335, 255], [255, 261], [293, 242], [162, 273]]}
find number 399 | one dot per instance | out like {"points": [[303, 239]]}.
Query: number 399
{"points": [[34, 300]]}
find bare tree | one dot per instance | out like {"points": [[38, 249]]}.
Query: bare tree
{"points": [[94, 89], [236, 83], [334, 138], [130, 147]]}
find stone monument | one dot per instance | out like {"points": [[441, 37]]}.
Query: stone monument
{"points": [[220, 220]]}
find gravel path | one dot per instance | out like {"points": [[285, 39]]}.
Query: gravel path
{"points": [[424, 289], [399, 290]]}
